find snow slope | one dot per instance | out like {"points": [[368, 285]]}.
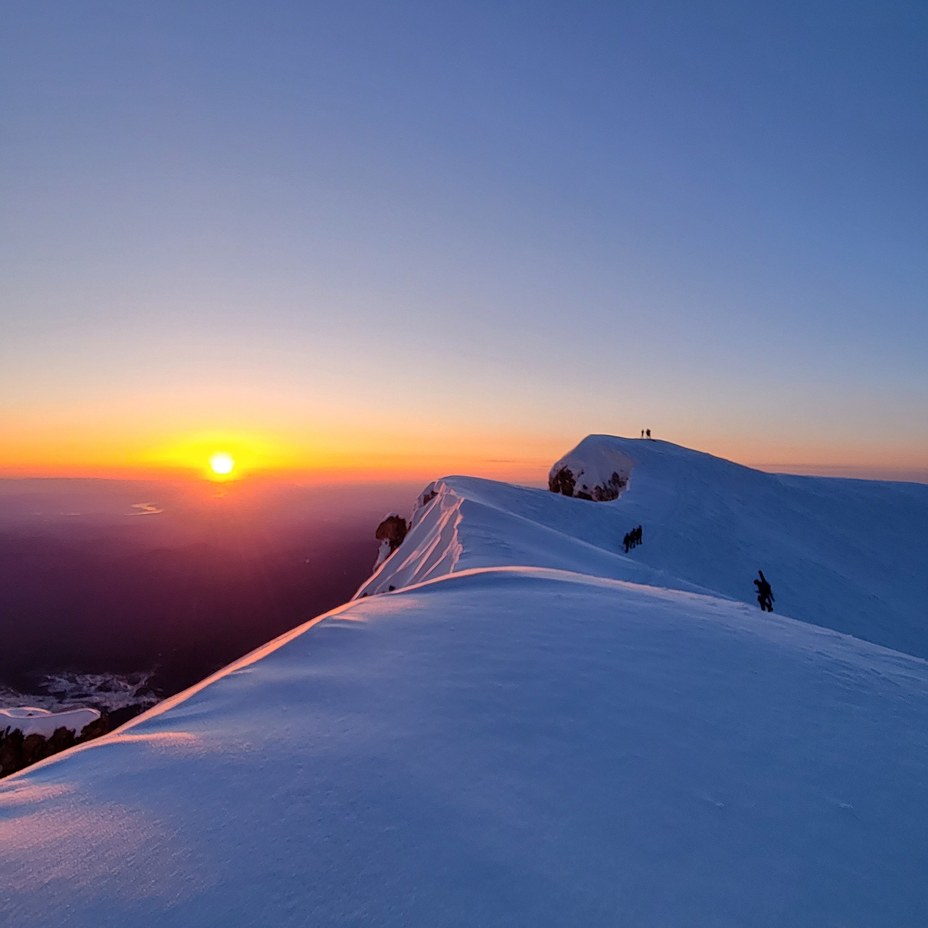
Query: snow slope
{"points": [[532, 729], [847, 554]]}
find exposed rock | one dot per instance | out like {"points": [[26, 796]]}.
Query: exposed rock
{"points": [[593, 470], [610, 489], [11, 752], [392, 530], [562, 481], [116, 717], [18, 751], [390, 533], [104, 724], [37, 747]]}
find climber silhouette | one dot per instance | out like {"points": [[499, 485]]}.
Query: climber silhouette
{"points": [[764, 593]]}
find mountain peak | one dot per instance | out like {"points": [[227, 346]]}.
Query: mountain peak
{"points": [[535, 726]]}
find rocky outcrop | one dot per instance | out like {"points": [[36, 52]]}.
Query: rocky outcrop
{"points": [[392, 530], [563, 481], [390, 533], [597, 469], [18, 750]]}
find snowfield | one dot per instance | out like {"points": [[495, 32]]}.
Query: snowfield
{"points": [[534, 728]]}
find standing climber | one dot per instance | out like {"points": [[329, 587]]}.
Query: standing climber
{"points": [[764, 593]]}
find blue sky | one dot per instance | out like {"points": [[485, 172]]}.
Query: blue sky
{"points": [[477, 230]]}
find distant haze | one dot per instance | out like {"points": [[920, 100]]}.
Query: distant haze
{"points": [[119, 576]]}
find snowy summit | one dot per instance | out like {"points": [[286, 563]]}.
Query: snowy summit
{"points": [[516, 722]]}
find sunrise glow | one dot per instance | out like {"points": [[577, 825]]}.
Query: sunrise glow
{"points": [[322, 318], [222, 464]]}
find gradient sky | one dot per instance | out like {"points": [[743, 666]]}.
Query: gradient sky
{"points": [[430, 237]]}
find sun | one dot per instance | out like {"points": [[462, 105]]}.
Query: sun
{"points": [[221, 464]]}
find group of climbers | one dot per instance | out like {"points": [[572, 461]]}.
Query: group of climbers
{"points": [[764, 591]]}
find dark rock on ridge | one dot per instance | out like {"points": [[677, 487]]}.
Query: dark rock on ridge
{"points": [[17, 751], [393, 530], [563, 481]]}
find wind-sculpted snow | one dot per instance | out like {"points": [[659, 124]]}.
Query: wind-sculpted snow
{"points": [[846, 554], [532, 729], [480, 523]]}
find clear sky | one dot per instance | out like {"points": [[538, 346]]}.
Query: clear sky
{"points": [[434, 237]]}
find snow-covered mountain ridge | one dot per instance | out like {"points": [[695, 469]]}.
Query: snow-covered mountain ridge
{"points": [[532, 728], [847, 554]]}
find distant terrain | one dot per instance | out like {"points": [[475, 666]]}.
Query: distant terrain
{"points": [[520, 722], [125, 577]]}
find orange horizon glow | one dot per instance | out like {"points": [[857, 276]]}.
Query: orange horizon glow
{"points": [[189, 461], [320, 454], [395, 456]]}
